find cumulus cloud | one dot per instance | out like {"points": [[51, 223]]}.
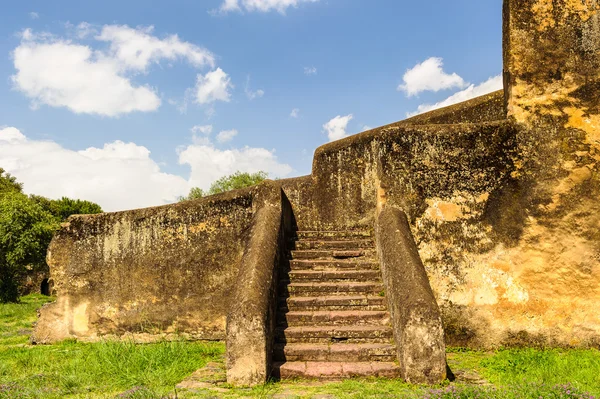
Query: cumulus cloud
{"points": [[123, 175], [62, 73], [136, 48], [209, 163], [310, 71], [492, 84], [34, 15], [214, 86], [117, 176], [336, 128], [429, 76], [225, 136], [261, 5], [295, 113]]}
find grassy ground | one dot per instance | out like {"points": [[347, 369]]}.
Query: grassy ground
{"points": [[126, 370]]}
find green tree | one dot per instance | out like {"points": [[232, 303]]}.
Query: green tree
{"points": [[227, 183], [9, 183], [236, 181], [25, 232], [195, 193], [65, 207]]}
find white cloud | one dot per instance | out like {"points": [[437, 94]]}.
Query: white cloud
{"points": [[201, 133], [204, 129], [122, 175], [261, 5], [310, 71], [252, 94], [85, 30], [336, 128], [492, 84], [429, 76], [136, 48], [34, 15], [61, 73], [214, 86], [226, 135], [366, 127], [230, 5], [117, 176], [209, 163], [295, 113]]}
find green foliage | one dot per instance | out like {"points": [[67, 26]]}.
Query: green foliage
{"points": [[26, 228], [65, 207], [236, 181], [227, 183], [9, 183], [25, 232], [195, 193]]}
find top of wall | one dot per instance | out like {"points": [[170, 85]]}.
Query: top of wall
{"points": [[487, 108]]}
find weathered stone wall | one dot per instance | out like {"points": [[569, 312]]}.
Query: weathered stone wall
{"points": [[164, 270], [408, 165]]}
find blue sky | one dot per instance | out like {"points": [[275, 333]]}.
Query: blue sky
{"points": [[99, 100]]}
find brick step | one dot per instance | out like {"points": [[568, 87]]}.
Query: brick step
{"points": [[334, 275], [335, 352], [330, 288], [326, 317], [335, 370], [334, 334], [349, 264], [335, 254], [348, 302], [333, 244], [332, 235]]}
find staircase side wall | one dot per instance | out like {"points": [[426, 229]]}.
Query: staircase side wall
{"points": [[252, 312], [147, 273], [416, 319]]}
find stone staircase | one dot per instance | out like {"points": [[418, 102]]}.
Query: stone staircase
{"points": [[332, 319]]}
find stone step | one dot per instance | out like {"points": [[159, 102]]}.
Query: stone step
{"points": [[330, 288], [334, 334], [348, 302], [335, 370], [332, 244], [334, 275], [335, 352], [326, 317], [335, 254], [332, 235], [317, 264]]}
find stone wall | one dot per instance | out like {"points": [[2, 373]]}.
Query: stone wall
{"points": [[164, 270]]}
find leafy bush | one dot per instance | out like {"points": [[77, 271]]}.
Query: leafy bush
{"points": [[227, 183], [25, 232], [62, 208]]}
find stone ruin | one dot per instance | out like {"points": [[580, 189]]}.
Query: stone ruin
{"points": [[476, 225]]}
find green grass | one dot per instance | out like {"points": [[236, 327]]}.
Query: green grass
{"points": [[81, 370], [125, 370], [16, 319]]}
